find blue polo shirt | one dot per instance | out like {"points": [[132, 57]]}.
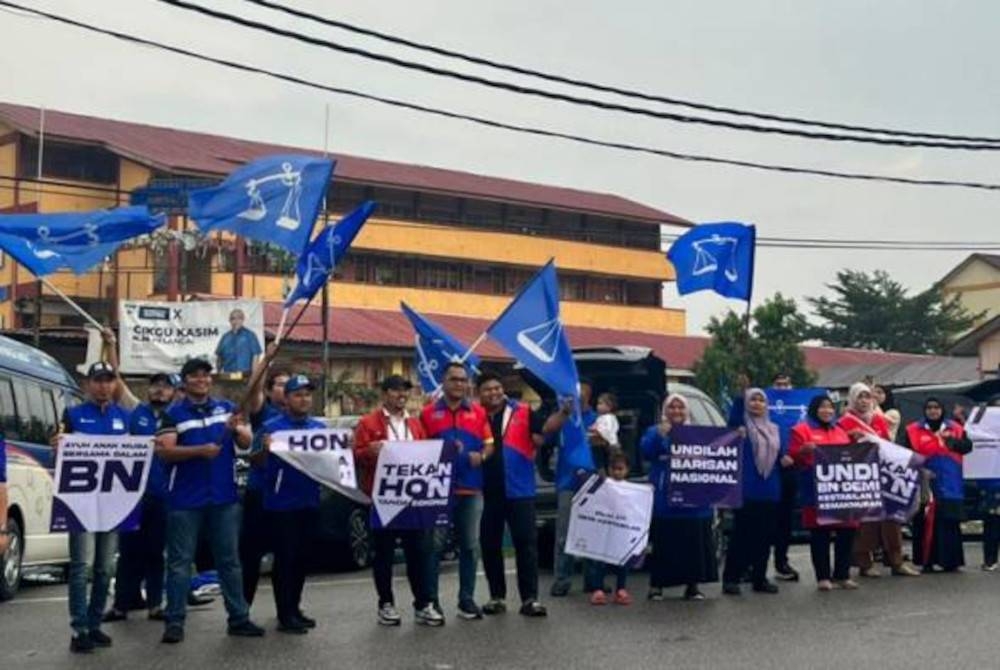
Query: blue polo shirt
{"points": [[257, 478], [146, 421], [89, 418], [200, 482], [286, 487], [236, 350]]}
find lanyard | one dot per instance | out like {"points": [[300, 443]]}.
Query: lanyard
{"points": [[395, 433]]}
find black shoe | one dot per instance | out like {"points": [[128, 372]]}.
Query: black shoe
{"points": [[786, 573], [469, 611], [495, 606], [692, 593], [765, 587], [172, 635], [732, 589], [198, 601], [100, 639], [156, 614], [293, 627], [533, 608], [559, 589], [81, 644], [306, 621], [246, 629], [113, 615]]}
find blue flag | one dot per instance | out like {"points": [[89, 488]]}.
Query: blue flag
{"points": [[435, 349], [717, 257], [275, 199], [787, 407], [45, 243], [323, 253], [531, 330]]}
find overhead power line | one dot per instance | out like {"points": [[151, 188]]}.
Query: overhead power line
{"points": [[608, 88], [573, 99], [492, 123]]}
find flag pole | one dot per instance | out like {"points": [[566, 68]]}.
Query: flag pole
{"points": [[474, 346], [281, 326], [71, 303], [325, 299], [38, 207]]}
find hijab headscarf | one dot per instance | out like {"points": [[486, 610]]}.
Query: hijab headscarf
{"points": [[934, 424], [813, 411], [670, 398], [763, 433], [853, 394]]}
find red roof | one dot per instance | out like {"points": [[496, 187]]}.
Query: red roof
{"points": [[380, 328], [181, 151]]}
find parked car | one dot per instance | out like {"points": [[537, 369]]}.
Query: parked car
{"points": [[34, 391]]}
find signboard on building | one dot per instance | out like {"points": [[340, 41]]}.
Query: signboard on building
{"points": [[168, 195]]}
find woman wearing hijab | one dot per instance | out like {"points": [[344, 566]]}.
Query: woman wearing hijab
{"points": [[683, 543], [861, 420], [820, 430], [754, 523], [937, 536]]}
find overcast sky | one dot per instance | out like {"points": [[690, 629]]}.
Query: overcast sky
{"points": [[928, 66]]}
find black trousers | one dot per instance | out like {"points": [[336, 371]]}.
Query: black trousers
{"points": [[750, 543], [991, 538], [417, 552], [519, 516], [784, 515], [819, 547], [255, 542], [292, 531], [140, 557]]}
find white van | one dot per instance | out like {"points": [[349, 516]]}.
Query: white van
{"points": [[34, 391]]}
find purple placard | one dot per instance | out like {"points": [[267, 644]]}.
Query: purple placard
{"points": [[705, 467], [847, 483]]}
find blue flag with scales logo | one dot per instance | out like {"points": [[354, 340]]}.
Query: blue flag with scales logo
{"points": [[435, 349], [45, 243], [274, 199], [717, 257]]}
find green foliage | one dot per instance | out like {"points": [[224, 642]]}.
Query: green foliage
{"points": [[873, 311]]}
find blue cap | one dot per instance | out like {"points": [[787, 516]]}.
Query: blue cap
{"points": [[297, 383]]}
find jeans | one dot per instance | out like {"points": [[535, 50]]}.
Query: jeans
{"points": [[563, 563], [140, 557], [596, 571], [519, 516], [466, 517], [183, 527], [292, 531], [414, 548], [255, 542], [819, 547], [97, 552]]}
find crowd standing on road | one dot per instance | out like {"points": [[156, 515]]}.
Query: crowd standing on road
{"points": [[497, 441]]}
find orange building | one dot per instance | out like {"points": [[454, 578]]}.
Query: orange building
{"points": [[447, 242]]}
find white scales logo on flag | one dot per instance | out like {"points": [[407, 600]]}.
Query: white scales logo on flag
{"points": [[705, 262], [779, 407], [44, 236], [291, 216], [542, 341]]}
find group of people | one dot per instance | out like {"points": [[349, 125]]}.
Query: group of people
{"points": [[192, 494]]}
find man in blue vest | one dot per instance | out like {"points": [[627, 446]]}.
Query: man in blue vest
{"points": [[91, 552], [140, 552], [291, 505], [198, 440]]}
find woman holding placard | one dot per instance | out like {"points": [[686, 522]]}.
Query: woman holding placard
{"points": [[820, 430]]}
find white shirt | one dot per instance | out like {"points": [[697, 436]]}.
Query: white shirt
{"points": [[399, 429], [606, 425]]}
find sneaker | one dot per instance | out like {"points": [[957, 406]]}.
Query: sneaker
{"points": [[623, 597], [306, 621], [469, 611], [246, 629], [692, 593], [824, 585], [786, 573], [732, 589], [495, 606], [655, 595], [989, 567], [172, 635], [81, 644], [560, 589], [428, 616], [907, 570], [195, 600], [388, 615], [155, 614], [113, 615], [598, 598], [100, 639], [292, 627], [765, 587], [846, 584], [871, 572], [533, 608]]}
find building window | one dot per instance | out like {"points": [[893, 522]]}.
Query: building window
{"points": [[69, 161]]}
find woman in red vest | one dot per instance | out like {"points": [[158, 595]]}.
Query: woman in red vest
{"points": [[863, 419], [820, 430]]}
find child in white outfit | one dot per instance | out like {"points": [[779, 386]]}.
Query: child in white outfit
{"points": [[606, 424]]}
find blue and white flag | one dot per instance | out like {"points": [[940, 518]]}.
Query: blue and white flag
{"points": [[323, 253], [45, 243], [717, 257], [274, 199], [787, 407], [435, 349]]}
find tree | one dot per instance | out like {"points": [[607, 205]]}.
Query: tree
{"points": [[873, 311], [731, 360]]}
